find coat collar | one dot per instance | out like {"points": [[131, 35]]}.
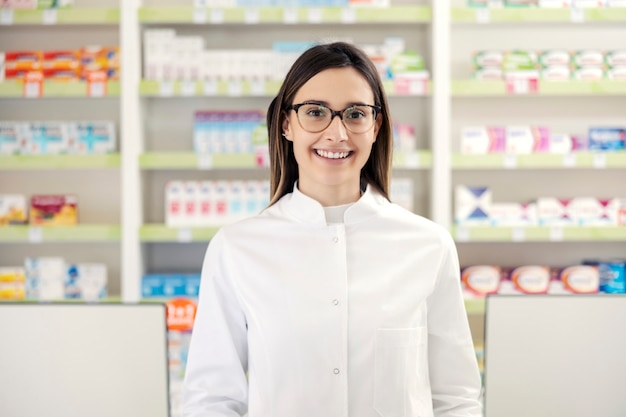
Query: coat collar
{"points": [[308, 210]]}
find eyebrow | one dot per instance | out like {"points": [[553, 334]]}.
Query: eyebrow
{"points": [[325, 103]]}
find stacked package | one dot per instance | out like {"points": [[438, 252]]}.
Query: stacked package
{"points": [[474, 206], [62, 65], [180, 293], [56, 137], [551, 64], [51, 278]]}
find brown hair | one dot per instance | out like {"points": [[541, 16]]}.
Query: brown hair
{"points": [[283, 165]]}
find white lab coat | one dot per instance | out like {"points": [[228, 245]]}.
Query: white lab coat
{"points": [[298, 318]]}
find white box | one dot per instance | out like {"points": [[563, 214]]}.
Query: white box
{"points": [[91, 137], [13, 136], [472, 205], [174, 203], [589, 211], [45, 278], [86, 281], [553, 211], [513, 214], [46, 138]]}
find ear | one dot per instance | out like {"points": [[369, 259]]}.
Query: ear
{"points": [[286, 126]]}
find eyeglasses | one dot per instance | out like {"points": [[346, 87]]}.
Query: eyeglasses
{"points": [[315, 117]]}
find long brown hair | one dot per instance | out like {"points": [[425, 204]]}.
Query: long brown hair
{"points": [[283, 165]]}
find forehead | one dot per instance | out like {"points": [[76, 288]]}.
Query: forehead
{"points": [[337, 87]]}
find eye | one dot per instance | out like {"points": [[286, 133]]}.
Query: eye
{"points": [[315, 111], [354, 113]]}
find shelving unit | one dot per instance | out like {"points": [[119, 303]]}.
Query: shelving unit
{"points": [[569, 106], [94, 179], [159, 158], [155, 118]]}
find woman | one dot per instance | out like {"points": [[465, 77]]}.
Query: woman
{"points": [[333, 301]]}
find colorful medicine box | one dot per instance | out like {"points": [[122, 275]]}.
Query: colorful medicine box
{"points": [[13, 209], [527, 279], [45, 138], [12, 136], [97, 137], [576, 279], [607, 138], [53, 210]]}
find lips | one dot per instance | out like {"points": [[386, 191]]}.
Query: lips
{"points": [[333, 155]]}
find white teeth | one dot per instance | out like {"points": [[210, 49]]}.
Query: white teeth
{"points": [[332, 155]]}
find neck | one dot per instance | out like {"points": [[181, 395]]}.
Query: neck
{"points": [[332, 195]]}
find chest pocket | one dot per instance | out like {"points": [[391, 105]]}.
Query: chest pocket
{"points": [[401, 387]]}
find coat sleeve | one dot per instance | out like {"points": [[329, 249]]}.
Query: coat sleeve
{"points": [[454, 375], [215, 376]]}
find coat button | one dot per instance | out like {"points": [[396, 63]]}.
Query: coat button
{"points": [[336, 371], [335, 239], [335, 302]]}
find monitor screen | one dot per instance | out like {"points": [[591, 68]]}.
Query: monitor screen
{"points": [[548, 356], [96, 360]]}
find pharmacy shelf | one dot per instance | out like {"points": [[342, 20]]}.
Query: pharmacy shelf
{"points": [[247, 88], [512, 15], [191, 160], [42, 162], [479, 88], [596, 160], [412, 160], [539, 234], [15, 89], [107, 300], [58, 234], [163, 233], [69, 16], [286, 15]]}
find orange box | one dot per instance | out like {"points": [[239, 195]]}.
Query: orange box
{"points": [[53, 210], [23, 60], [59, 74], [69, 59], [100, 57]]}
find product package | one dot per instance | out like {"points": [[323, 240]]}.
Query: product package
{"points": [[53, 210], [13, 209]]}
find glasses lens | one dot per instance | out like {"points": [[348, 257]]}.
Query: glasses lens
{"points": [[358, 118], [314, 117], [317, 117]]}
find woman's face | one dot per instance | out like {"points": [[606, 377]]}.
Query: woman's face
{"points": [[331, 159]]}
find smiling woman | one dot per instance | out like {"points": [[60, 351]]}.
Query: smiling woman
{"points": [[332, 301]]}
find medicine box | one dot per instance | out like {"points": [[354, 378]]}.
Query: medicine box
{"points": [[576, 279], [45, 278], [13, 136], [472, 205], [553, 211], [607, 138], [53, 210], [86, 281], [170, 285], [13, 209], [95, 137], [12, 283], [46, 138], [526, 279], [478, 281]]}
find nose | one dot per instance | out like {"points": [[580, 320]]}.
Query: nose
{"points": [[336, 130]]}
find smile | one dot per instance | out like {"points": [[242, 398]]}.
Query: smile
{"points": [[332, 155]]}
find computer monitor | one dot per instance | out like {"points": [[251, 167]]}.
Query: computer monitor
{"points": [[553, 356], [95, 360]]}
